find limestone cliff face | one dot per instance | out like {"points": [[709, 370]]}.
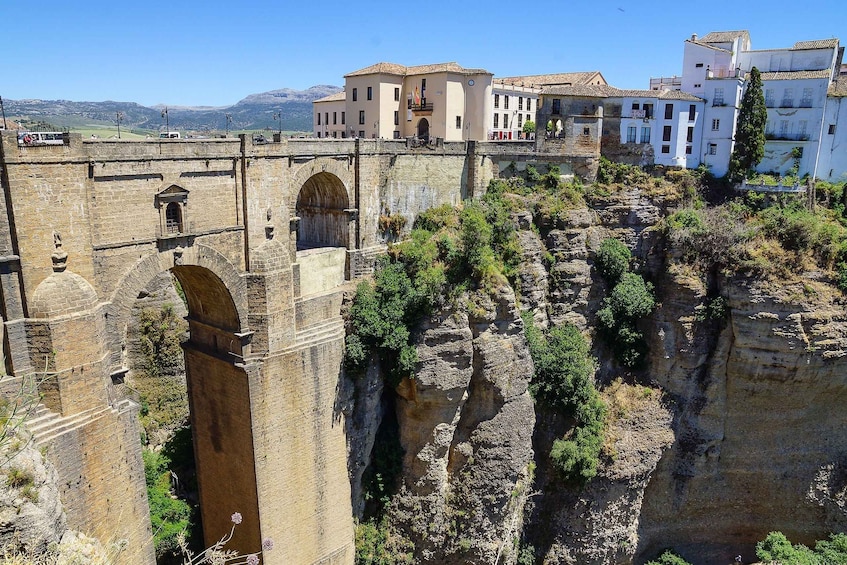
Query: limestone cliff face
{"points": [[466, 425], [760, 443]]}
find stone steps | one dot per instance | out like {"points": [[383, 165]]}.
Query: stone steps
{"points": [[49, 425], [322, 332]]}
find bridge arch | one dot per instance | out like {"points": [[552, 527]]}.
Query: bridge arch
{"points": [[322, 198], [217, 379]]}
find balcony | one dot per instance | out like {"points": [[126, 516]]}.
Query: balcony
{"points": [[718, 102], [787, 103], [786, 136], [422, 107], [805, 103]]}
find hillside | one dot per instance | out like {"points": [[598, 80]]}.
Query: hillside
{"points": [[251, 113]]}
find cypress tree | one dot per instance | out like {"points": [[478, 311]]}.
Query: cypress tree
{"points": [[750, 129]]}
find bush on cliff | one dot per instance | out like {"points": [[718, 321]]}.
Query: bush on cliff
{"points": [[668, 558], [776, 548], [169, 515], [563, 380], [613, 260]]}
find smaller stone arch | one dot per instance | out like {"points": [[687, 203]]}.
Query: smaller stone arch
{"points": [[230, 315], [323, 209]]}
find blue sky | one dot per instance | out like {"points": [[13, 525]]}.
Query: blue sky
{"points": [[215, 53]]}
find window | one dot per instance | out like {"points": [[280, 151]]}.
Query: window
{"points": [[506, 102], [361, 133], [505, 121], [806, 101], [396, 134], [319, 134], [334, 118], [699, 65], [396, 118], [496, 100], [784, 127], [692, 112], [666, 133], [173, 218], [496, 120], [528, 117], [717, 100], [458, 122], [557, 106], [370, 93], [520, 102], [520, 121], [803, 125], [788, 98], [666, 148], [319, 118], [335, 135], [529, 105], [645, 135], [716, 124], [396, 94], [326, 118], [713, 149], [668, 111], [586, 131], [361, 117], [698, 86], [831, 130], [342, 118], [688, 150], [648, 110], [690, 136], [355, 94], [630, 134], [636, 106], [769, 98]]}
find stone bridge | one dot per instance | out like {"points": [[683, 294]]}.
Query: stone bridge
{"points": [[261, 238]]}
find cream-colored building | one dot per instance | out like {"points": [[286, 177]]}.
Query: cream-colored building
{"points": [[330, 116], [387, 100]]}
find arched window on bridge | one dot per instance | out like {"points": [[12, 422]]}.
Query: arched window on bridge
{"points": [[172, 204], [173, 219]]}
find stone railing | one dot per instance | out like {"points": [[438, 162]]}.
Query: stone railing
{"points": [[744, 186]]}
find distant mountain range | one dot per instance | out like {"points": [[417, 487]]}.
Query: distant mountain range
{"points": [[255, 112]]}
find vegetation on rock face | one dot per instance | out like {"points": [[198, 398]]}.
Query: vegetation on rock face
{"points": [[169, 515], [750, 129], [563, 380], [668, 558], [630, 299], [776, 548]]}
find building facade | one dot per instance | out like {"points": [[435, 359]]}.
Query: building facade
{"points": [[801, 93]]}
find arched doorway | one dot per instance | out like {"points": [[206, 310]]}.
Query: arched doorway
{"points": [[321, 207], [219, 408], [423, 129]]}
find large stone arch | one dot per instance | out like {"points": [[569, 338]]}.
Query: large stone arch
{"points": [[323, 200], [218, 380]]}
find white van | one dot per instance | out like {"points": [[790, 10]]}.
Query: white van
{"points": [[169, 135]]}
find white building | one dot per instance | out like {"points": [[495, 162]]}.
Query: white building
{"points": [[330, 116], [795, 83]]}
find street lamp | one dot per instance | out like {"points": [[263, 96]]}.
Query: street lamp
{"points": [[228, 123], [119, 116], [167, 121], [278, 116]]}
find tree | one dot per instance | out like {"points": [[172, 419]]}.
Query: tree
{"points": [[750, 129], [529, 127]]}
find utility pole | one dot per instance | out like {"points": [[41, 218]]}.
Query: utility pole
{"points": [[167, 122], [228, 122], [278, 116], [4, 112], [119, 116]]}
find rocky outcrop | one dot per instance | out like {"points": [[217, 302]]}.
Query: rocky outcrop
{"points": [[466, 426], [760, 443]]}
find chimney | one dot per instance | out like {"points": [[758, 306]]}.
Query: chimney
{"points": [[693, 37]]}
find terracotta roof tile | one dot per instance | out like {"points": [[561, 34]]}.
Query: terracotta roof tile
{"points": [[724, 36], [556, 79], [838, 88], [606, 91], [795, 75], [337, 97], [817, 44], [400, 70]]}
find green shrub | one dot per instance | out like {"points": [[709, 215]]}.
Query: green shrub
{"points": [[169, 516], [613, 260], [776, 548], [668, 558], [563, 380], [630, 300]]}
